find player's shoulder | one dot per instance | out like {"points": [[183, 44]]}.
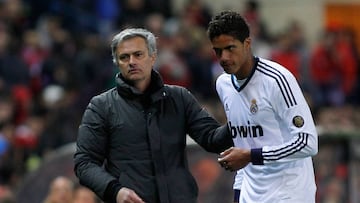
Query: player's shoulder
{"points": [[272, 69], [223, 81], [223, 78]]}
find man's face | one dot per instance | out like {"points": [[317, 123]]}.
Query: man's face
{"points": [[232, 53], [133, 59]]}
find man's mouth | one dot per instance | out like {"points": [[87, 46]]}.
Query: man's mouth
{"points": [[224, 64], [133, 70]]}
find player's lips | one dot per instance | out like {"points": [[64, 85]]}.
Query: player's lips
{"points": [[225, 66]]}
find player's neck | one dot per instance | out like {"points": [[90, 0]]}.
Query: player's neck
{"points": [[246, 69]]}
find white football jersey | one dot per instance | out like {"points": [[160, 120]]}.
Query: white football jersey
{"points": [[269, 115]]}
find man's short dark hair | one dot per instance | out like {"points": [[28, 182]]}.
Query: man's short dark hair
{"points": [[228, 23]]}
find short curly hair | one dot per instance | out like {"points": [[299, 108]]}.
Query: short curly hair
{"points": [[228, 23]]}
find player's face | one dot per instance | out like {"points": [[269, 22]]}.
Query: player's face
{"points": [[234, 56], [133, 59]]}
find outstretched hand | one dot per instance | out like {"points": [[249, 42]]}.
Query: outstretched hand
{"points": [[234, 158]]}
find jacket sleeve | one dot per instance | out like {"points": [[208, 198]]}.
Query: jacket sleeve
{"points": [[91, 149], [203, 128]]}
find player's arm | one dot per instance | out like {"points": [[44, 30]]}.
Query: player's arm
{"points": [[294, 112]]}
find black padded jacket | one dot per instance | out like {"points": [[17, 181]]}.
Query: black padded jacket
{"points": [[134, 140]]}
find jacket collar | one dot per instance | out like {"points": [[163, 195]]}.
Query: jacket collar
{"points": [[125, 89]]}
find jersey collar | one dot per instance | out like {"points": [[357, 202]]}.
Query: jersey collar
{"points": [[234, 79]]}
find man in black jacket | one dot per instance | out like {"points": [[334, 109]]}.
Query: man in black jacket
{"points": [[132, 138]]}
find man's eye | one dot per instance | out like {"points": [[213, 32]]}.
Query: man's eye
{"points": [[231, 48], [124, 57], [139, 54]]}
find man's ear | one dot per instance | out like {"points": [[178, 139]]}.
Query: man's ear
{"points": [[247, 43], [153, 58]]}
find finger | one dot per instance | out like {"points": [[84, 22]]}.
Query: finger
{"points": [[223, 160], [224, 153], [222, 163], [228, 168], [135, 198], [225, 157]]}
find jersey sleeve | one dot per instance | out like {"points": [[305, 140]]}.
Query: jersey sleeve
{"points": [[294, 114]]}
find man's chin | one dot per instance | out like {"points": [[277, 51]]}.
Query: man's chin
{"points": [[228, 71], [135, 77]]}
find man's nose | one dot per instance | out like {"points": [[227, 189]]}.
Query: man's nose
{"points": [[132, 59], [224, 55]]}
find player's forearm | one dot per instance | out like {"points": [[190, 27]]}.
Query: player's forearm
{"points": [[303, 145]]}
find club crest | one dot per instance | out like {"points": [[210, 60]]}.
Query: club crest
{"points": [[253, 107]]}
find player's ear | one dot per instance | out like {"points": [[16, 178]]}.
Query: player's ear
{"points": [[247, 43]]}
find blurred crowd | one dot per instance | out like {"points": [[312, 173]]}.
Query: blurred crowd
{"points": [[63, 190], [55, 55]]}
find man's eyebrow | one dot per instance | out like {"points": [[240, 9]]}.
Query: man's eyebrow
{"points": [[230, 46], [227, 47], [131, 53]]}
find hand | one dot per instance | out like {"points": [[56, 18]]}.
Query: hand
{"points": [[234, 158], [126, 195]]}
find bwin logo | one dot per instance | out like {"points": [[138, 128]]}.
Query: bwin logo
{"points": [[246, 131]]}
